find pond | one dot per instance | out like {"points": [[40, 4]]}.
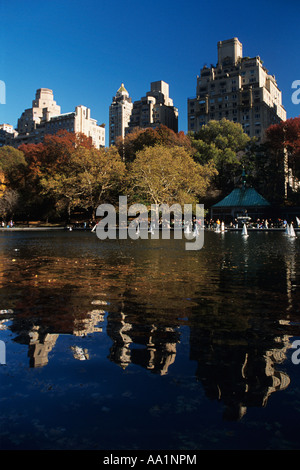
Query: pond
{"points": [[140, 344]]}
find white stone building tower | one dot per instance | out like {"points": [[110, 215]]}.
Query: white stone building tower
{"points": [[119, 114]]}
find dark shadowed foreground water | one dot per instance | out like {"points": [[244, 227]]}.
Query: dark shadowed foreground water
{"points": [[144, 345]]}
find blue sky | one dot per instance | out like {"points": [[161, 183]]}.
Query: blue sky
{"points": [[84, 50]]}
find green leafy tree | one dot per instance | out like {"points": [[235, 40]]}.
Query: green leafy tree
{"points": [[138, 139], [224, 143]]}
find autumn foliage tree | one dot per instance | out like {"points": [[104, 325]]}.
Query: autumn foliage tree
{"points": [[86, 179], [12, 169], [66, 172], [285, 136]]}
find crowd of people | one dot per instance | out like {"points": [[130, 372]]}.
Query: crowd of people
{"points": [[258, 223]]}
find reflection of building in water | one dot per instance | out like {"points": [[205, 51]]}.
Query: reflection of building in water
{"points": [[41, 341], [89, 324], [238, 371], [152, 347], [40, 344], [79, 353], [3, 325], [279, 380], [119, 330]]}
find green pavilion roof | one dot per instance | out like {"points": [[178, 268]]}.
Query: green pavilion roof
{"points": [[243, 197]]}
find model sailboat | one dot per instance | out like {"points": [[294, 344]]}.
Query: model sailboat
{"points": [[245, 231]]}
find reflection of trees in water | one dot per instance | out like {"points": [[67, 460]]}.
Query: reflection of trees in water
{"points": [[143, 296]]}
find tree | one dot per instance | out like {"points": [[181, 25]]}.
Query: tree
{"points": [[139, 138], [100, 175], [12, 167], [84, 179], [12, 173], [167, 175], [224, 143], [49, 177], [9, 203], [283, 144]]}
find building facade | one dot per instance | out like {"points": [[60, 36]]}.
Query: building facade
{"points": [[44, 117], [7, 133], [239, 89], [119, 114], [154, 109]]}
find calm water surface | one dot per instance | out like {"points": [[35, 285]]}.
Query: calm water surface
{"points": [[144, 345]]}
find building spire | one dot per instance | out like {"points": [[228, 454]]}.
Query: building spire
{"points": [[122, 89]]}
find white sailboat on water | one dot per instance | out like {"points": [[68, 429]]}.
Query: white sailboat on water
{"points": [[245, 231], [298, 222], [292, 231], [287, 229]]}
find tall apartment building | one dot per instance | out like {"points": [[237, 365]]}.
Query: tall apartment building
{"points": [[239, 89], [119, 114], [44, 117], [154, 109], [7, 132]]}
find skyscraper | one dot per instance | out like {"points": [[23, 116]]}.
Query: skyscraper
{"points": [[119, 114], [239, 89], [154, 109]]}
